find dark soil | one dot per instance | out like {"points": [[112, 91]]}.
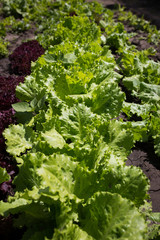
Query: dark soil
{"points": [[143, 156]]}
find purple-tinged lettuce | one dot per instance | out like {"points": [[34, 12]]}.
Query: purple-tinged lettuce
{"points": [[6, 118], [8, 96], [23, 55]]}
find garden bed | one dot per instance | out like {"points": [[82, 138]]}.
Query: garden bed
{"points": [[143, 153]]}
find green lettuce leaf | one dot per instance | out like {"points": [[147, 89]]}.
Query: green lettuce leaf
{"points": [[149, 93], [73, 121], [53, 138], [119, 139], [33, 215], [28, 176], [114, 178], [57, 174], [4, 176], [71, 232], [125, 180], [19, 139], [107, 98], [109, 216]]}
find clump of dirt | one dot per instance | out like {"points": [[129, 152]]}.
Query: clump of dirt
{"points": [[143, 156], [4, 67]]}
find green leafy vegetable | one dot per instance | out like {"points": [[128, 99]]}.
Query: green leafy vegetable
{"points": [[70, 143], [3, 175]]}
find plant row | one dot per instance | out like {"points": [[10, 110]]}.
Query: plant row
{"points": [[20, 64], [70, 143]]}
